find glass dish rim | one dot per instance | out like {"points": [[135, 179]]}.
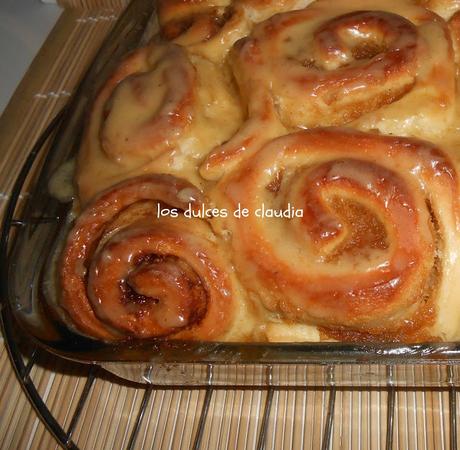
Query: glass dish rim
{"points": [[85, 350]]}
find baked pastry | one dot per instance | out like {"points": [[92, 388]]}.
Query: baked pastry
{"points": [[211, 27], [278, 170], [390, 68], [373, 254], [129, 272], [161, 111]]}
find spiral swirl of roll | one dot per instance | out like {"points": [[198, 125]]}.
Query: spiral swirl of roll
{"points": [[161, 111], [371, 243], [133, 121], [127, 272], [390, 68], [329, 64]]}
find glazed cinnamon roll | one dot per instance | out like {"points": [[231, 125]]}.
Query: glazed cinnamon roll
{"points": [[299, 125], [210, 27], [386, 66], [390, 68], [136, 266], [207, 28], [329, 64], [161, 111], [356, 233]]}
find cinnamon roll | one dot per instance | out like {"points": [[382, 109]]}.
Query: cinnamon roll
{"points": [[161, 111], [135, 267], [356, 233], [207, 28], [386, 66], [210, 27], [323, 138]]}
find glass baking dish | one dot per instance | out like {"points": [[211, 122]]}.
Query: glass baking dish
{"points": [[32, 229]]}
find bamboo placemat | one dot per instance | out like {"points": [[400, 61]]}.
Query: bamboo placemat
{"points": [[94, 5], [208, 419]]}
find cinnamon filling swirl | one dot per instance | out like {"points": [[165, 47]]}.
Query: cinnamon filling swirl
{"points": [[365, 255], [129, 274]]}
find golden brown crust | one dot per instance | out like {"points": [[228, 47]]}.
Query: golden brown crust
{"points": [[390, 68], [238, 100], [149, 277], [364, 256], [161, 111]]}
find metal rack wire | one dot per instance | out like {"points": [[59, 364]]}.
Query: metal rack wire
{"points": [[65, 436]]}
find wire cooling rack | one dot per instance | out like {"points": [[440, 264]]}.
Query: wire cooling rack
{"points": [[265, 416], [266, 411]]}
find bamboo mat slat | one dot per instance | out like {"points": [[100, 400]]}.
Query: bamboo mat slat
{"points": [[96, 5], [109, 416], [171, 419], [234, 419], [43, 91], [46, 87]]}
